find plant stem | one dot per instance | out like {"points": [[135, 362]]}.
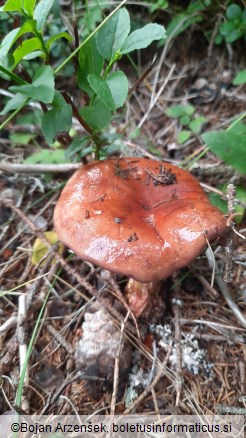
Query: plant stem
{"points": [[89, 37], [6, 121], [13, 76], [236, 121], [110, 65]]}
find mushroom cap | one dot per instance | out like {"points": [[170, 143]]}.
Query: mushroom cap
{"points": [[142, 218]]}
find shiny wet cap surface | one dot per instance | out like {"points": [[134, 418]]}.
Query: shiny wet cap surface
{"points": [[142, 218]]}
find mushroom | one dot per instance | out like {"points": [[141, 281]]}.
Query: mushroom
{"points": [[141, 218]]}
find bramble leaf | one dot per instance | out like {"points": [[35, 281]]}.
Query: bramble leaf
{"points": [[229, 145], [142, 38], [240, 78], [42, 87], [90, 62], [27, 47], [41, 12], [98, 116], [57, 120], [111, 36], [102, 90], [118, 84]]}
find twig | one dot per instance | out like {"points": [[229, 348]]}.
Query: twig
{"points": [[76, 113], [152, 371], [116, 369], [21, 336], [153, 393], [177, 303], [143, 76], [231, 303], [9, 324], [60, 339], [39, 168], [121, 298], [212, 38], [242, 371], [230, 410], [15, 195], [231, 192], [205, 283], [152, 104]]}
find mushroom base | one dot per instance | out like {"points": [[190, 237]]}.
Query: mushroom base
{"points": [[145, 299]]}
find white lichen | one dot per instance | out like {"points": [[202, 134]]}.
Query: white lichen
{"points": [[193, 357]]}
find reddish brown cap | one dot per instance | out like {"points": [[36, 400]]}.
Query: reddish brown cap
{"points": [[141, 218]]}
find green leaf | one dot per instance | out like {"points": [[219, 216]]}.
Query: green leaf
{"points": [[218, 39], [142, 38], [198, 5], [56, 37], [98, 116], [234, 35], [229, 145], [27, 27], [22, 137], [41, 12], [58, 100], [183, 136], [241, 196], [16, 101], [76, 146], [226, 28], [47, 156], [234, 13], [196, 124], [28, 6], [218, 202], [180, 110], [25, 48], [112, 35], [13, 6], [55, 121], [240, 78], [160, 4], [102, 90], [182, 22], [8, 41], [118, 84], [90, 62], [42, 87], [184, 120]]}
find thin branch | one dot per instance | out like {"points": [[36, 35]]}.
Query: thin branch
{"points": [[116, 369], [39, 168]]}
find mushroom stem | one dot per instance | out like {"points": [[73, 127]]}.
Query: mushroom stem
{"points": [[139, 295]]}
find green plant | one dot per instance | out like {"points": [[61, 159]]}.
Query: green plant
{"points": [[184, 114], [159, 4], [222, 204], [229, 145], [234, 26], [240, 78], [94, 61], [184, 19]]}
